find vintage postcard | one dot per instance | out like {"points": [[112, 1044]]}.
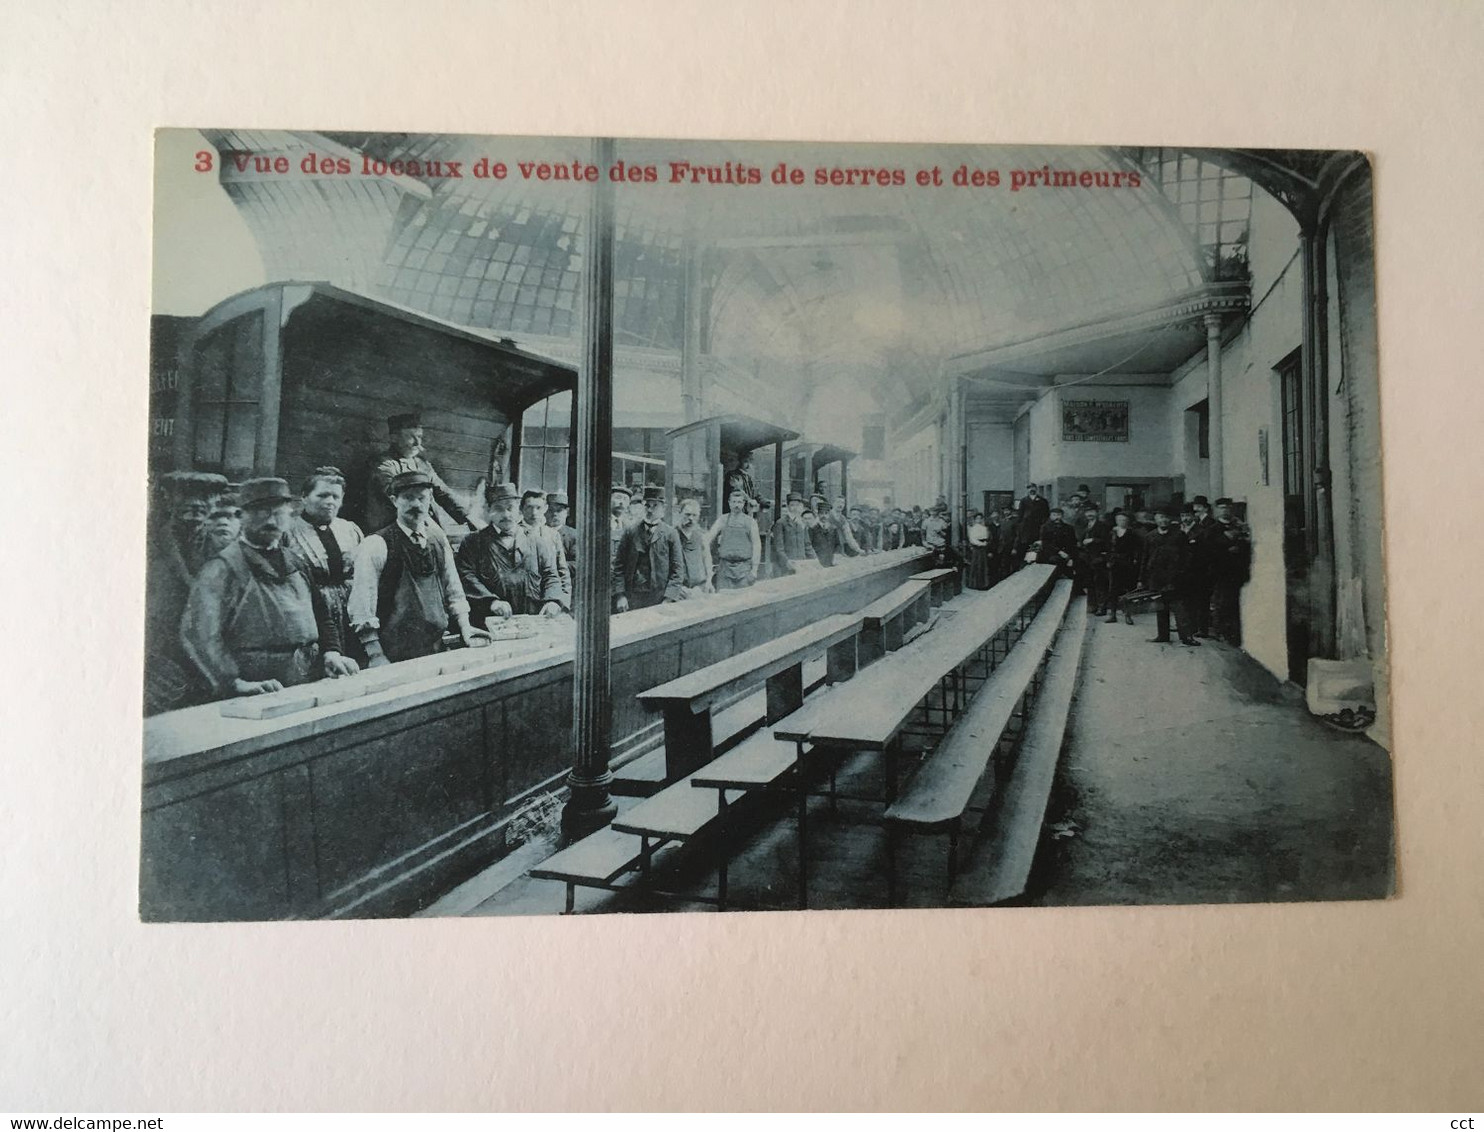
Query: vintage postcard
{"points": [[547, 525]]}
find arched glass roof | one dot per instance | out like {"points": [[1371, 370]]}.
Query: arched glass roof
{"points": [[796, 280]]}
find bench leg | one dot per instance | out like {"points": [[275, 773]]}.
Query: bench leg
{"points": [[571, 899], [872, 645], [687, 741], [644, 853], [802, 784], [953, 851], [785, 693], [893, 750], [891, 866], [841, 661], [891, 633]]}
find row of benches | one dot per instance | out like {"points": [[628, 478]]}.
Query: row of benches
{"points": [[865, 709]]}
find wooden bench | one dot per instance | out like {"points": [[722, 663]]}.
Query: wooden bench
{"points": [[871, 712], [689, 701], [938, 795], [884, 622], [946, 583], [673, 816], [1000, 866], [597, 861]]}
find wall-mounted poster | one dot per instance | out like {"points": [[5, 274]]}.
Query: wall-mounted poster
{"points": [[1094, 420]]}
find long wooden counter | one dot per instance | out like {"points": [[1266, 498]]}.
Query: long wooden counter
{"points": [[376, 805]]}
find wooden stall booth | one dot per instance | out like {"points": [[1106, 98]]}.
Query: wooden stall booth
{"points": [[822, 467], [286, 377], [701, 454]]}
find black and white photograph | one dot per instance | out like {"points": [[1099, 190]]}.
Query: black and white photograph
{"points": [[558, 525]]}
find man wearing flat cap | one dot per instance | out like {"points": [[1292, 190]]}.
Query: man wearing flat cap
{"points": [[406, 445], [510, 567], [557, 510], [405, 588], [650, 561], [789, 532], [178, 549], [618, 522], [255, 621], [533, 524]]}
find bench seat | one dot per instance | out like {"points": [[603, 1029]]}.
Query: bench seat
{"points": [[674, 814], [757, 762], [690, 702], [939, 793], [871, 711], [1000, 867], [884, 622], [945, 582]]}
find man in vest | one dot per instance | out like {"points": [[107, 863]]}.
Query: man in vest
{"points": [[510, 567], [650, 562], [255, 622], [405, 588], [405, 444]]}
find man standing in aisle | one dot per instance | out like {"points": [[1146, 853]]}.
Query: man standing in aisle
{"points": [[405, 444], [1200, 585], [650, 562], [1033, 513], [1092, 556], [1059, 545], [255, 622], [1166, 569], [405, 587], [1230, 551]]}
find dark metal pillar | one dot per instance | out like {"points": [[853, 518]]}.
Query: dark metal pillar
{"points": [[590, 806], [1315, 361]]}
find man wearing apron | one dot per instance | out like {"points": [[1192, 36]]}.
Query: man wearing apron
{"points": [[739, 548], [695, 556], [327, 544], [509, 568], [405, 588], [255, 622]]}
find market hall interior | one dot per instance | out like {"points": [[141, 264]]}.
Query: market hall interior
{"points": [[943, 713]]}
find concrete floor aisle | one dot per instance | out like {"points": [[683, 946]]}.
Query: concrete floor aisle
{"points": [[1192, 775]]}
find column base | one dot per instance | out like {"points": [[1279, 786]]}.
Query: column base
{"points": [[589, 807]]}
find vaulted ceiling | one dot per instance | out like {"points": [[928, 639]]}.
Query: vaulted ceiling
{"points": [[799, 283]]}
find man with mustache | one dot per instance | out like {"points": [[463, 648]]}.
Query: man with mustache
{"points": [[405, 445], [255, 621], [405, 588]]}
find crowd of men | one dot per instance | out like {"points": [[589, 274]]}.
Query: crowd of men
{"points": [[1189, 563], [264, 585], [259, 586]]}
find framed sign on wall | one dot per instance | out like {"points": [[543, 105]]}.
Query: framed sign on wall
{"points": [[1094, 420]]}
